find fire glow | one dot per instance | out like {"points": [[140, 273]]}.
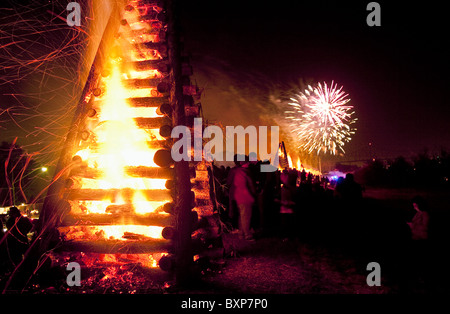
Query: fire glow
{"points": [[114, 143]]}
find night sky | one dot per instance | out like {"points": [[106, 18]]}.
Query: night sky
{"points": [[244, 51], [396, 75]]}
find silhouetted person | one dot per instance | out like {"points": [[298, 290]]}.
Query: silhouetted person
{"points": [[420, 222], [243, 192], [16, 238], [350, 189], [419, 255], [339, 187], [303, 175], [287, 205]]}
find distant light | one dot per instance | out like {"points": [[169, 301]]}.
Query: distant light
{"points": [[44, 169]]}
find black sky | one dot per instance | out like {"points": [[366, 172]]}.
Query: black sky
{"points": [[395, 74]]}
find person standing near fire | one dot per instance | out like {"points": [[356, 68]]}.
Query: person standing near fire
{"points": [[243, 192]]}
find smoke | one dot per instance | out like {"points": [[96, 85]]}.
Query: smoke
{"points": [[233, 97]]}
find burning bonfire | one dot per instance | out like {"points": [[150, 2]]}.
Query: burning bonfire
{"points": [[117, 201]]}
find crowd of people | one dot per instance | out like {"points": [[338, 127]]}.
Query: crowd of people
{"points": [[258, 203], [294, 204], [285, 202]]}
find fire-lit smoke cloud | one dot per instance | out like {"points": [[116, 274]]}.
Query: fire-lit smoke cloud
{"points": [[233, 97]]}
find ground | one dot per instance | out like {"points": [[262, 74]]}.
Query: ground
{"points": [[274, 266], [329, 257]]}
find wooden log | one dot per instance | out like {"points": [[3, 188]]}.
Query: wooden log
{"points": [[138, 171], [163, 158], [119, 246], [164, 109], [154, 144], [152, 123], [167, 263], [164, 87], [168, 233], [142, 83], [159, 144], [147, 101], [165, 131], [152, 219], [150, 172], [182, 240], [160, 65], [160, 47], [112, 194]]}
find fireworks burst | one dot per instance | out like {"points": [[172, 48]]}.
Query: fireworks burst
{"points": [[321, 119]]}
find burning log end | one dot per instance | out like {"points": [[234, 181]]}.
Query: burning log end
{"points": [[77, 160], [168, 233], [163, 158], [105, 72], [168, 208], [84, 135], [164, 109], [91, 113], [167, 263], [170, 184], [165, 131], [97, 92], [163, 87]]}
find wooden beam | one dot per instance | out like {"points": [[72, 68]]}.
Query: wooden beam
{"points": [[147, 101], [152, 219], [112, 194], [152, 123], [118, 246]]}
